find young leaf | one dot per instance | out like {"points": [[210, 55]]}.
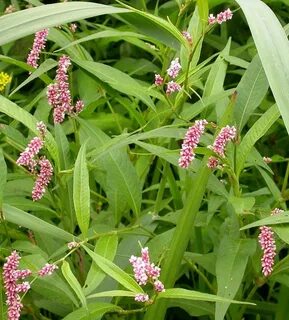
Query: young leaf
{"points": [[81, 192], [115, 272], [72, 281]]}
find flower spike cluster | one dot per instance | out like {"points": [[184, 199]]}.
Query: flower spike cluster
{"points": [[144, 272], [192, 139], [42, 167], [221, 17], [173, 71], [268, 246], [58, 93], [11, 277], [38, 46]]}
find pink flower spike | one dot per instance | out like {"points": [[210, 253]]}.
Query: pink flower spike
{"points": [[26, 157], [226, 134], [38, 45], [158, 80], [212, 19], [43, 179], [158, 286], [22, 274], [173, 87], [213, 162], [191, 140], [174, 68], [47, 270], [141, 297], [267, 243], [12, 288], [187, 36]]}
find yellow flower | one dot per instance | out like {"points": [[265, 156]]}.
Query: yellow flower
{"points": [[4, 80]]}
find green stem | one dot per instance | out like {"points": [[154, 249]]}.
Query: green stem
{"points": [[180, 239], [285, 181]]}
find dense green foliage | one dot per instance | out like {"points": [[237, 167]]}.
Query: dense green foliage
{"points": [[117, 185]]}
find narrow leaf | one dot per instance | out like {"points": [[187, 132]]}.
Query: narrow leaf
{"points": [[81, 192], [72, 281]]}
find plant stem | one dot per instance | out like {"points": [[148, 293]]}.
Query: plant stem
{"points": [[180, 239], [285, 181]]}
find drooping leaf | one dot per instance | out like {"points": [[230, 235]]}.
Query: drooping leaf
{"points": [[72, 281]]}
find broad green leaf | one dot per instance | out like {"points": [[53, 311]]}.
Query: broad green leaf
{"points": [[19, 114], [251, 90], [22, 23], [44, 67], [3, 178], [203, 11], [179, 293], [94, 311], [24, 219], [232, 258], [81, 192], [271, 184], [273, 48], [260, 127], [193, 308], [113, 293], [106, 246], [272, 220], [114, 272], [117, 79], [72, 281]]}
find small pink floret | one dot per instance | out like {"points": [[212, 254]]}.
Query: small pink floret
{"points": [[221, 17], [213, 162], [158, 80], [187, 36], [141, 297], [173, 87], [174, 68]]}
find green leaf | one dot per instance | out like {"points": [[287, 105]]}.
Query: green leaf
{"points": [[118, 80], [178, 293], [272, 45], [44, 67], [116, 173], [22, 23], [21, 115], [81, 192], [112, 293], [232, 258], [260, 127], [24, 219], [251, 90], [72, 281], [3, 177], [272, 220], [106, 246], [114, 272], [95, 310]]}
